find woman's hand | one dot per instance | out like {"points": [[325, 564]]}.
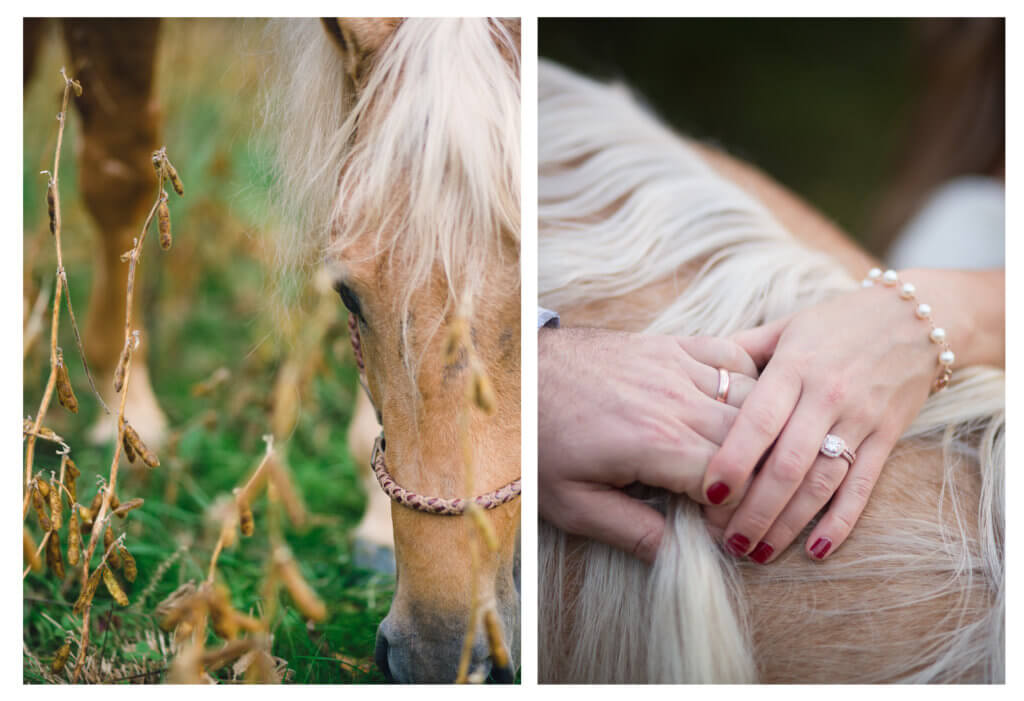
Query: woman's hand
{"points": [[858, 367], [618, 408]]}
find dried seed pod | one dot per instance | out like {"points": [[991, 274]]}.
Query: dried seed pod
{"points": [[56, 505], [280, 478], [131, 438], [53, 557], [129, 452], [39, 504], [122, 366], [163, 220], [74, 538], [47, 434], [65, 394], [88, 591], [483, 393], [114, 501], [51, 206], [176, 607], [245, 520], [29, 548], [215, 659], [94, 505], [127, 506], [222, 616], [455, 341], [71, 473], [499, 654], [131, 568], [87, 515], [113, 558], [172, 174], [248, 623], [61, 658], [114, 587], [306, 600], [44, 489]]}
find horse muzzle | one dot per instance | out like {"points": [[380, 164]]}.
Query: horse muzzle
{"points": [[408, 655]]}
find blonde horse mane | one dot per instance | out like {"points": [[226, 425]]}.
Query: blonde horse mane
{"points": [[423, 158], [624, 202]]}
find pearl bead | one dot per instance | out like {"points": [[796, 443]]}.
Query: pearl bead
{"points": [[938, 335], [875, 273], [891, 277], [923, 311], [908, 291], [867, 283], [946, 358]]}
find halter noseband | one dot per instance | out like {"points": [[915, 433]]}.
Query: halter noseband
{"points": [[411, 500], [435, 505]]}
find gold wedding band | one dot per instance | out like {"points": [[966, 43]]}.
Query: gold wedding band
{"points": [[722, 395]]}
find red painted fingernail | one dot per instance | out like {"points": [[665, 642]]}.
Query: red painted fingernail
{"points": [[761, 553], [718, 492], [821, 547], [738, 544]]}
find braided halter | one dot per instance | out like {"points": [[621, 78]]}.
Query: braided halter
{"points": [[399, 494]]}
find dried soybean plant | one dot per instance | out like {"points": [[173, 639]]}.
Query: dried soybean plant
{"points": [[194, 609], [127, 437], [479, 396], [46, 497]]}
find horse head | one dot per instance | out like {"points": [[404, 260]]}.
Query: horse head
{"points": [[406, 159]]}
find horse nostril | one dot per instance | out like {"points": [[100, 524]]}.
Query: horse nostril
{"points": [[502, 675], [380, 654]]}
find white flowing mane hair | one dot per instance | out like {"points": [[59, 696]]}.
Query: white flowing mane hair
{"points": [[424, 157], [624, 202]]}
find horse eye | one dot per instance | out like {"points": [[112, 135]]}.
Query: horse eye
{"points": [[348, 298]]}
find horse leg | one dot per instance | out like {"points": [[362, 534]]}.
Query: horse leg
{"points": [[115, 60], [373, 539]]}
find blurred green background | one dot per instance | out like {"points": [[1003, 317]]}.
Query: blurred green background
{"points": [[819, 105], [209, 303]]}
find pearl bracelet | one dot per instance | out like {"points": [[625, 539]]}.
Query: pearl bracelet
{"points": [[890, 278]]}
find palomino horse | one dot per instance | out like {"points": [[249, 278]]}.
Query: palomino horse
{"points": [[399, 152], [641, 230]]}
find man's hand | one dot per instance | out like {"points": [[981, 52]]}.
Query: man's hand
{"points": [[617, 408]]}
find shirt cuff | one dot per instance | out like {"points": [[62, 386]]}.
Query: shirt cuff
{"points": [[546, 317]]}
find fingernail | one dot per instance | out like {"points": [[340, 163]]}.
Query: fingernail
{"points": [[738, 544], [821, 547], [761, 553], [718, 492]]}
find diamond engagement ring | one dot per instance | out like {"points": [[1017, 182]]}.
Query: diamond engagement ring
{"points": [[835, 447]]}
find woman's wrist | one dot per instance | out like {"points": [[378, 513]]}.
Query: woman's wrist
{"points": [[970, 307]]}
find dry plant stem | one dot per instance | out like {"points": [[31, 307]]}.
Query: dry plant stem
{"points": [[257, 475], [98, 520], [44, 404], [83, 644], [46, 536]]}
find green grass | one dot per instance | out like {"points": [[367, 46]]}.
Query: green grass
{"points": [[208, 305]]}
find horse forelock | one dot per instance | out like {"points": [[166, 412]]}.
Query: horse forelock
{"points": [[422, 159]]}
